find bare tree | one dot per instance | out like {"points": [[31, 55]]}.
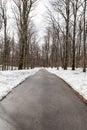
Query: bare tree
{"points": [[84, 37], [4, 18], [46, 46], [22, 19], [63, 7], [75, 9]]}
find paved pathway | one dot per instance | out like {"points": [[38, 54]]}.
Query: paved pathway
{"points": [[43, 102]]}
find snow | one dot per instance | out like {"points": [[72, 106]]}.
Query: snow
{"points": [[76, 79], [10, 79]]}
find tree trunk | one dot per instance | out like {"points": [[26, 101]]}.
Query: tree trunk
{"points": [[84, 39], [67, 33]]}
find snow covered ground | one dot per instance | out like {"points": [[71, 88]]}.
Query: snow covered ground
{"points": [[10, 79], [76, 79]]}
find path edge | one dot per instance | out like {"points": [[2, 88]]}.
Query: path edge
{"points": [[77, 93]]}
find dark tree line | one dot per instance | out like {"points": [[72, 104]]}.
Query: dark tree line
{"points": [[64, 39], [24, 53], [68, 35]]}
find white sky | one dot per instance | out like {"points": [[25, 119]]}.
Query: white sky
{"points": [[40, 18]]}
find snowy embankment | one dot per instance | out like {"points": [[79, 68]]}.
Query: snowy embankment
{"points": [[76, 79], [10, 79]]}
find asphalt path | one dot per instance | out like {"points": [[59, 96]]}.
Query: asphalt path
{"points": [[43, 102]]}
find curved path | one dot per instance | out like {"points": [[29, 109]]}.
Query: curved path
{"points": [[43, 102]]}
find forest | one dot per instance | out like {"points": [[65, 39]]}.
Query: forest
{"points": [[64, 41]]}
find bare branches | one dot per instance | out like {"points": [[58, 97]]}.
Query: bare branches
{"points": [[24, 8], [69, 28]]}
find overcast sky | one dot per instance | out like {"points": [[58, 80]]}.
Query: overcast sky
{"points": [[39, 19]]}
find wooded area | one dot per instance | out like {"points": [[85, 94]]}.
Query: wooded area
{"points": [[64, 39]]}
